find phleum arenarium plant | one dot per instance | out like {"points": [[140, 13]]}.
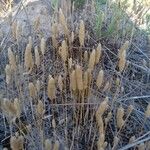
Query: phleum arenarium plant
{"points": [[71, 89]]}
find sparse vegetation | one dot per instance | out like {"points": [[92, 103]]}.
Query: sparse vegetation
{"points": [[87, 86]]}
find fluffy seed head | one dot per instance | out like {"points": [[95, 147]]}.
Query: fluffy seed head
{"points": [[38, 86], [37, 56], [123, 48], [28, 58], [62, 20], [102, 107], [32, 90], [17, 107], [79, 77], [73, 82], [60, 83], [8, 73], [51, 89], [40, 108], [72, 36], [9, 107], [98, 53], [122, 61], [100, 78], [120, 114], [64, 51], [92, 60], [81, 33], [12, 59], [16, 143], [43, 46]]}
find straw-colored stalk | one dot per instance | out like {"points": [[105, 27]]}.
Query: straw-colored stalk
{"points": [[51, 89], [79, 78], [28, 58], [119, 117], [92, 60], [100, 79], [37, 56], [43, 46], [12, 60], [81, 33], [73, 82], [85, 80], [98, 53]]}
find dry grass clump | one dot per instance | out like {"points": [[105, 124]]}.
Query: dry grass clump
{"points": [[72, 91]]}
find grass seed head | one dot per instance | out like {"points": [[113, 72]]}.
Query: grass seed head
{"points": [[8, 72], [92, 60], [98, 53], [12, 59], [60, 83], [38, 85], [17, 107], [73, 81], [51, 89], [43, 46], [37, 56], [120, 115], [28, 58], [79, 78], [32, 90], [102, 107], [16, 143], [40, 108], [122, 61], [81, 33], [100, 78], [64, 51]]}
